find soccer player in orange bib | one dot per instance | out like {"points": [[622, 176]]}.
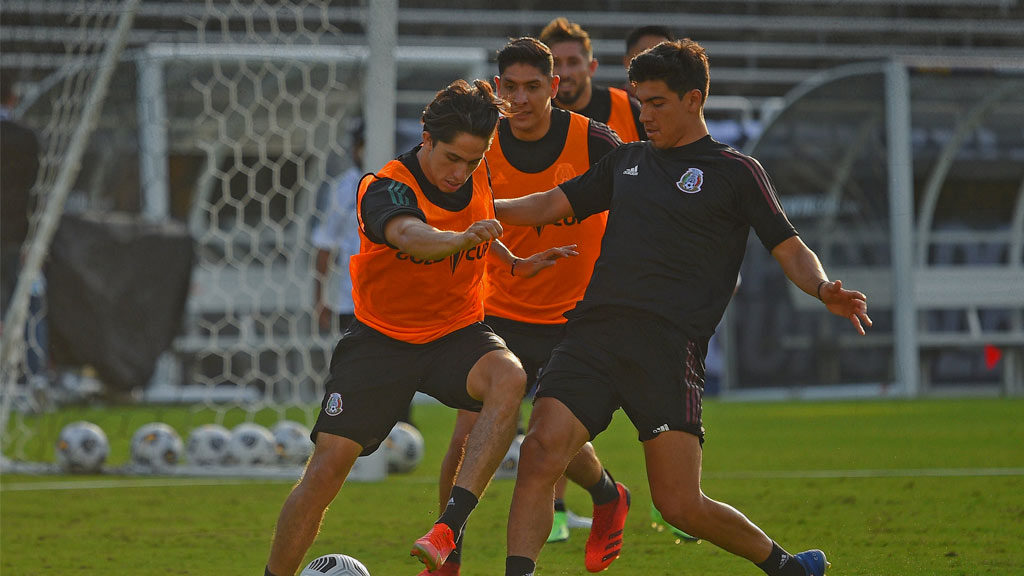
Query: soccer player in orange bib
{"points": [[538, 147], [575, 66], [426, 223]]}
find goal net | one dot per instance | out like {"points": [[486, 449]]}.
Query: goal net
{"points": [[93, 36], [233, 118]]}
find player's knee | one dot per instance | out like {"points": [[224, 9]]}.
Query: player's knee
{"points": [[540, 456], [682, 512], [507, 387]]}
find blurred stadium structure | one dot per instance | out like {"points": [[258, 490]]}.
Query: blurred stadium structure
{"points": [[894, 132]]}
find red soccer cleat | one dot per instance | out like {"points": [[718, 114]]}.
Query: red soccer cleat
{"points": [[605, 541], [434, 547]]}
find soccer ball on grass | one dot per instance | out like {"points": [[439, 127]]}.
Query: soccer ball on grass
{"points": [[82, 447], [208, 445], [157, 446], [250, 445], [404, 446], [291, 442], [335, 565], [509, 466]]}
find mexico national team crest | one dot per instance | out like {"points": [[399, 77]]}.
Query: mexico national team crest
{"points": [[691, 181], [563, 171], [333, 407]]}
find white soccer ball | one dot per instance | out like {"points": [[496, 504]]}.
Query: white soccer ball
{"points": [[291, 442], [335, 565], [82, 447], [509, 466], [208, 445], [404, 446], [250, 445], [156, 445]]}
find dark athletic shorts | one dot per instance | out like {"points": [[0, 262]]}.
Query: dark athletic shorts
{"points": [[612, 358], [373, 378], [531, 343]]}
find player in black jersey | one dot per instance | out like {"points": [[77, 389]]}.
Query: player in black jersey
{"points": [[575, 66], [680, 207]]}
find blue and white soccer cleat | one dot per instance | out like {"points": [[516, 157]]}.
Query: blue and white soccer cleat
{"points": [[813, 561]]}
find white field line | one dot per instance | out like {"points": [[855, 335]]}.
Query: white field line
{"points": [[738, 475], [876, 473]]}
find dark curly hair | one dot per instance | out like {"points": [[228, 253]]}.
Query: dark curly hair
{"points": [[526, 50], [461, 107], [682, 65]]}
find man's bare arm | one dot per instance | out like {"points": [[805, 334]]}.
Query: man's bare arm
{"points": [[417, 238], [534, 209], [803, 268]]}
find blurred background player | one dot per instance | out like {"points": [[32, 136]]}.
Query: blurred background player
{"points": [[536, 147], [575, 66], [336, 238], [19, 168], [426, 220], [639, 39], [19, 165]]}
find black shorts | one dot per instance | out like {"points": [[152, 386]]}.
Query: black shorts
{"points": [[617, 358], [373, 378], [531, 343]]}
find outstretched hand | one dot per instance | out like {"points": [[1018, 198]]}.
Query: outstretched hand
{"points": [[849, 304], [528, 267]]}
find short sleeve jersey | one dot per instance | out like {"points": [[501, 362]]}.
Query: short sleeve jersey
{"points": [[572, 144], [677, 228], [407, 298]]}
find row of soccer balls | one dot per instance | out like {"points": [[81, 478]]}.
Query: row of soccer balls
{"points": [[83, 446]]}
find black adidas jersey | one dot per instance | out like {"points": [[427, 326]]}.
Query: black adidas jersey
{"points": [[384, 200], [537, 156], [677, 228]]}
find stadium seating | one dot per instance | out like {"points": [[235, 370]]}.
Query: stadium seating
{"points": [[760, 49]]}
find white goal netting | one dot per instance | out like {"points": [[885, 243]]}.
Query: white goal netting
{"points": [[234, 119], [91, 39]]}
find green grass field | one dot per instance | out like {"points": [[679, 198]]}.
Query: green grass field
{"points": [[885, 488]]}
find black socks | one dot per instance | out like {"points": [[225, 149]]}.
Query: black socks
{"points": [[460, 504], [781, 563], [605, 490], [519, 566]]}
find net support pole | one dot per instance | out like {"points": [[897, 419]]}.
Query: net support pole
{"points": [[901, 224], [153, 139], [56, 197], [380, 85]]}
